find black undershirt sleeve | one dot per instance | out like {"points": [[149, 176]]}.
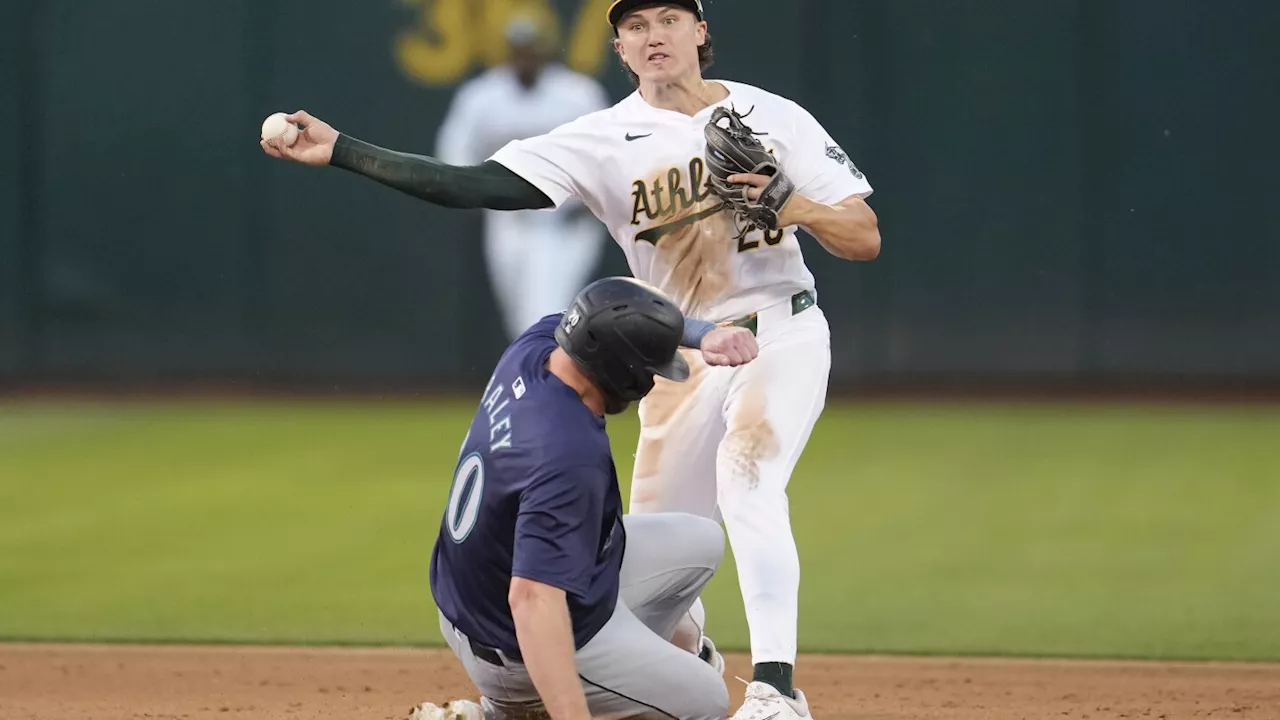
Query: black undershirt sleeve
{"points": [[488, 185]]}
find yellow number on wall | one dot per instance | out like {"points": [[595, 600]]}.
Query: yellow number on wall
{"points": [[451, 36], [437, 51], [590, 43]]}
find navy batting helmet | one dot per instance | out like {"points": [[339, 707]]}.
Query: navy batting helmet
{"points": [[622, 333]]}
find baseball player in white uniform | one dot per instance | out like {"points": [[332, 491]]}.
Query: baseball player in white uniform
{"points": [[724, 443], [537, 259]]}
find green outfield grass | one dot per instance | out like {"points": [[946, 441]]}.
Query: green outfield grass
{"points": [[1043, 530]]}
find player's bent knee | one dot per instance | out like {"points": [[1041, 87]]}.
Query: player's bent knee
{"points": [[697, 539], [705, 539], [759, 506]]}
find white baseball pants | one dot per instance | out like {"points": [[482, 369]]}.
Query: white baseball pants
{"points": [[538, 261], [723, 445]]}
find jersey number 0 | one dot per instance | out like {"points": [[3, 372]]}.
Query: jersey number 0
{"points": [[464, 497]]}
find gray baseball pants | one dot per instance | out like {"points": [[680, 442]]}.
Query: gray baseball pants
{"points": [[629, 669]]}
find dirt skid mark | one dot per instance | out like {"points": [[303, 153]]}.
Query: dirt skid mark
{"points": [[648, 458], [668, 399], [698, 258], [750, 439], [661, 413]]}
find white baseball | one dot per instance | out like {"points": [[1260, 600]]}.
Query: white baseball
{"points": [[275, 126]]}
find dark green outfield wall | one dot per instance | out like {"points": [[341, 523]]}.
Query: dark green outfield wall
{"points": [[1068, 189]]}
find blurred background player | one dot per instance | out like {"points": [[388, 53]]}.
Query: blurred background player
{"points": [[536, 259]]}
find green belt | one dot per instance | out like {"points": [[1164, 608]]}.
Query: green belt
{"points": [[800, 302]]}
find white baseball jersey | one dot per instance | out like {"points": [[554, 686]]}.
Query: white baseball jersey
{"points": [[640, 170]]}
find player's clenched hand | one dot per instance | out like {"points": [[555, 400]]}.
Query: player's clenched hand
{"points": [[730, 346], [314, 145]]}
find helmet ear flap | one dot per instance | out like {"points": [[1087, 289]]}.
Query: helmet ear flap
{"points": [[644, 385], [638, 383]]}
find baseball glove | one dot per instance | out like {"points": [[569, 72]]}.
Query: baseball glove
{"points": [[733, 149]]}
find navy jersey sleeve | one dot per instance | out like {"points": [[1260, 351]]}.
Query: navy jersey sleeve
{"points": [[558, 529]]}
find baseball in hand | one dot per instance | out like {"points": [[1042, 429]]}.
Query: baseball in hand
{"points": [[275, 127]]}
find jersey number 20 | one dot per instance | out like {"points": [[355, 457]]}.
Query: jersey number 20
{"points": [[770, 237], [464, 497]]}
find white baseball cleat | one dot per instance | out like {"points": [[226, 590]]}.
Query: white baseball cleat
{"points": [[764, 702], [709, 655], [454, 710]]}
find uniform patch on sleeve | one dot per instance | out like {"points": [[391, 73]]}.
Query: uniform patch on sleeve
{"points": [[836, 153]]}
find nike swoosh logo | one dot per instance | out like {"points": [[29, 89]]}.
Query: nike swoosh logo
{"points": [[631, 137], [654, 234]]}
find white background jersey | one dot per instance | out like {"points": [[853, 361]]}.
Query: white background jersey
{"points": [[493, 109], [640, 170]]}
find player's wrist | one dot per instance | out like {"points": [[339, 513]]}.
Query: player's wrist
{"points": [[348, 151], [799, 210], [695, 331]]}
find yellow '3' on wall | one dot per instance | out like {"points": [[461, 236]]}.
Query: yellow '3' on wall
{"points": [[451, 36]]}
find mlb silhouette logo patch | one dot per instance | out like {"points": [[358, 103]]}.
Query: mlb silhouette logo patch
{"points": [[836, 153]]}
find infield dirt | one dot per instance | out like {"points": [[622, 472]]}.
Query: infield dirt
{"points": [[120, 682]]}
